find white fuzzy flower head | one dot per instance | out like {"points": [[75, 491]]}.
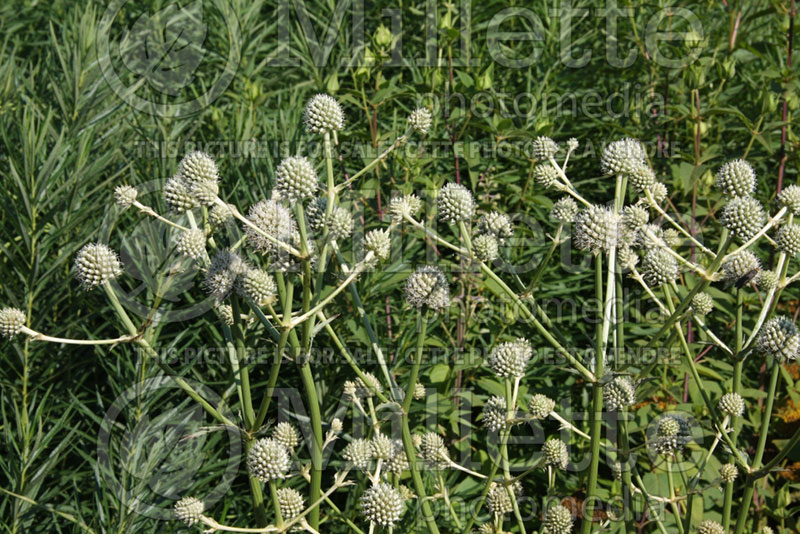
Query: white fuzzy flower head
{"points": [[340, 223], [596, 229], [564, 211], [192, 243], [219, 215], [223, 273], [178, 196], [658, 191], [96, 264], [622, 157], [572, 144], [421, 120], [736, 178], [555, 453], [382, 504], [419, 391], [558, 520], [767, 280], [486, 247], [671, 237], [295, 178], [268, 459], [544, 148], [767, 530], [731, 404], [740, 265], [634, 217], [743, 216], [257, 285], [290, 502], [11, 321], [125, 195], [273, 219], [455, 203], [427, 286], [404, 206], [510, 359], [641, 176], [540, 406], [383, 447], [323, 114], [710, 527], [788, 239], [728, 473], [379, 243], [790, 198], [286, 434], [498, 501], [779, 338], [336, 425], [659, 267], [201, 176], [627, 258], [545, 175], [496, 224], [702, 303], [619, 393], [433, 450], [189, 510], [358, 452], [494, 413]]}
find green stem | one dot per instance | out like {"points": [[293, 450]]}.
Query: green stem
{"points": [[675, 511], [316, 449], [237, 331], [273, 492]]}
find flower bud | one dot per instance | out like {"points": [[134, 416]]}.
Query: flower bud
{"points": [[790, 198], [177, 195], [659, 267], [286, 434], [731, 404], [383, 447], [496, 224], [494, 413], [358, 452], [767, 280], [192, 243], [290, 502], [498, 501], [433, 450], [710, 527], [779, 338], [509, 359], [702, 303], [544, 148], [596, 229], [545, 175], [404, 206], [555, 453], [788, 239], [486, 248], [379, 243], [619, 393], [621, 157], [564, 211], [558, 520], [728, 473]]}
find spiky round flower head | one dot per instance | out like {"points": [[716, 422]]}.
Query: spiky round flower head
{"points": [[658, 191], [382, 447], [419, 391], [404, 206], [634, 216], [779, 338], [201, 176], [555, 453], [315, 214], [96, 264], [540, 406], [295, 178], [767, 530], [368, 387], [702, 303], [427, 286], [433, 450], [192, 243], [11, 321], [219, 215], [223, 273], [286, 434], [498, 501], [358, 452], [225, 312], [177, 195], [544, 148], [336, 425], [627, 258], [124, 195], [497, 224], [564, 211], [596, 229], [257, 285], [484, 528], [273, 219], [668, 426], [189, 510], [340, 223], [421, 120], [641, 176], [455, 203], [510, 358], [322, 114], [572, 144], [382, 504], [494, 413], [619, 393], [790, 198], [731, 404], [736, 178], [672, 435], [767, 280], [788, 239], [659, 267], [710, 527], [379, 243], [558, 520], [486, 247], [743, 216], [545, 175], [728, 473], [671, 237], [739, 265], [291, 503], [621, 157], [268, 459], [399, 462]]}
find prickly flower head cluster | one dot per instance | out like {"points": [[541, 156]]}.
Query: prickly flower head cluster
{"points": [[540, 406], [295, 178], [510, 359], [555, 453], [189, 510], [545, 175], [659, 267], [286, 434], [739, 265], [290, 502], [382, 504], [496, 224], [672, 435], [731, 404], [404, 206], [379, 243], [178, 195], [779, 338], [427, 286], [383, 447], [544, 148], [257, 285], [558, 520], [622, 157], [272, 219], [340, 223], [433, 450], [498, 501], [323, 114], [728, 473], [790, 198], [702, 303], [736, 178], [564, 211], [96, 264], [788, 239], [767, 280], [223, 273], [710, 527], [268, 459], [494, 413], [455, 203], [358, 452], [486, 247], [199, 173], [124, 195], [596, 229], [192, 243], [11, 321], [618, 393], [743, 216], [420, 120]]}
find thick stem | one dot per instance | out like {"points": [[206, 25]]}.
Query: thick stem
{"points": [[316, 446]]}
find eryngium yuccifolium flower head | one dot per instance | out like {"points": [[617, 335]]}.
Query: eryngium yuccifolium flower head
{"points": [[510, 358], [671, 237], [767, 280], [286, 434], [404, 206], [779, 338], [540, 406], [494, 413], [790, 198], [177, 195], [340, 224], [366, 388], [728, 473], [273, 219], [740, 264], [223, 273], [572, 144], [382, 504], [659, 267], [296, 178], [558, 520], [641, 176], [11, 321], [498, 501], [545, 175], [743, 216], [555, 453], [189, 510], [382, 447], [596, 229], [199, 172], [544, 148], [455, 203], [702, 303], [399, 462], [257, 285], [427, 286], [486, 247], [358, 452], [268, 459], [672, 435], [192, 243], [219, 215], [634, 217], [322, 114], [225, 312], [315, 214], [788, 239], [710, 527], [96, 264], [419, 391], [627, 257], [379, 243], [484, 528], [731, 404], [619, 393], [736, 178], [420, 119], [336, 425], [564, 211], [767, 530], [124, 195], [290, 502], [497, 224], [621, 157], [433, 450]]}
